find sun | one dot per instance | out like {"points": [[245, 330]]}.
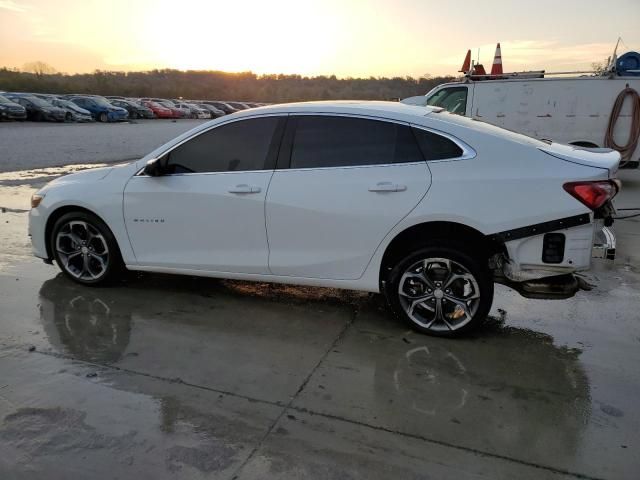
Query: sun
{"points": [[268, 40]]}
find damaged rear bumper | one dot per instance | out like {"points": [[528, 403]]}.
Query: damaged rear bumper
{"points": [[559, 287], [604, 245], [532, 277]]}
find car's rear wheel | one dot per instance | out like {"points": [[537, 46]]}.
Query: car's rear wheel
{"points": [[441, 289], [85, 249], [103, 117]]}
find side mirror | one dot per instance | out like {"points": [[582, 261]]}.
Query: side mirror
{"points": [[153, 168]]}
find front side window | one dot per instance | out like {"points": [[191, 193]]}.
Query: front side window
{"points": [[453, 99], [332, 141], [238, 146]]}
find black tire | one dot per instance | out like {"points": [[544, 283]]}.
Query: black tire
{"points": [[103, 117], [88, 253], [68, 117], [424, 313]]}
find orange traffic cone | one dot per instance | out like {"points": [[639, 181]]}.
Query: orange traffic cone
{"points": [[478, 69], [496, 68], [466, 66]]}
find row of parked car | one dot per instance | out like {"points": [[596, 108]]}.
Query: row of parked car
{"points": [[89, 108]]}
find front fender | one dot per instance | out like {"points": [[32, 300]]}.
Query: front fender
{"points": [[103, 197]]}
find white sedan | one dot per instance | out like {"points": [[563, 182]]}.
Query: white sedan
{"points": [[428, 207]]}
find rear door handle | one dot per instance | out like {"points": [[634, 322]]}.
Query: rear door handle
{"points": [[244, 188], [387, 187]]}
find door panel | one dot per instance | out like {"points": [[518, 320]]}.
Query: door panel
{"points": [[327, 223], [194, 221], [207, 211]]}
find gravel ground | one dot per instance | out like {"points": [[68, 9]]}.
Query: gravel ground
{"points": [[23, 145]]}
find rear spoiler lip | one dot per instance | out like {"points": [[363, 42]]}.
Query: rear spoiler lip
{"points": [[611, 170]]}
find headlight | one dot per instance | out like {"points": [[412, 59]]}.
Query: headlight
{"points": [[35, 200]]}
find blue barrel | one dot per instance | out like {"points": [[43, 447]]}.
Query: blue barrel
{"points": [[628, 64]]}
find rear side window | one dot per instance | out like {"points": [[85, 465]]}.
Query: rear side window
{"points": [[237, 146], [328, 141], [436, 147]]}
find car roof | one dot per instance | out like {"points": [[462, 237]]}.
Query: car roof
{"points": [[382, 109], [432, 117]]}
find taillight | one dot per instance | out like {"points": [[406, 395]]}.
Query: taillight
{"points": [[593, 194]]}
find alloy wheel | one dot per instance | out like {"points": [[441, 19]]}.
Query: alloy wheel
{"points": [[82, 250], [439, 294]]}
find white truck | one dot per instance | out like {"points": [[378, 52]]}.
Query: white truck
{"points": [[571, 110]]}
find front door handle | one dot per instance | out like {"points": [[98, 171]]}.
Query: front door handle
{"points": [[244, 188], [387, 187]]}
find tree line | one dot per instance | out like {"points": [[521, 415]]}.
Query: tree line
{"points": [[217, 85]]}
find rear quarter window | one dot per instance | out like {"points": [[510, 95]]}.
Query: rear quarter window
{"points": [[436, 147]]}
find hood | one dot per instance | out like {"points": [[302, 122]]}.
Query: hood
{"points": [[12, 106], [80, 110], [91, 175], [605, 158]]}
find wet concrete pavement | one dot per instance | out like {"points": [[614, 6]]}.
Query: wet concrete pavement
{"points": [[178, 377]]}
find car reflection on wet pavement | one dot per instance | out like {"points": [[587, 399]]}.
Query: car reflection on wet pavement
{"points": [[178, 377]]}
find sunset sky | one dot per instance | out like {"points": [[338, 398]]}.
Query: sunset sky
{"points": [[342, 37]]}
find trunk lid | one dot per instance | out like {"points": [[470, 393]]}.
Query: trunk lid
{"points": [[605, 158]]}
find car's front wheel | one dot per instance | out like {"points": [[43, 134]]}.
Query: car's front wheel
{"points": [[103, 117], [441, 289], [85, 249]]}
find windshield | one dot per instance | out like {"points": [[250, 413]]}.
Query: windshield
{"points": [[37, 101], [453, 100], [101, 101]]}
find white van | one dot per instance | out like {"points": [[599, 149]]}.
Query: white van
{"points": [[572, 110]]}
